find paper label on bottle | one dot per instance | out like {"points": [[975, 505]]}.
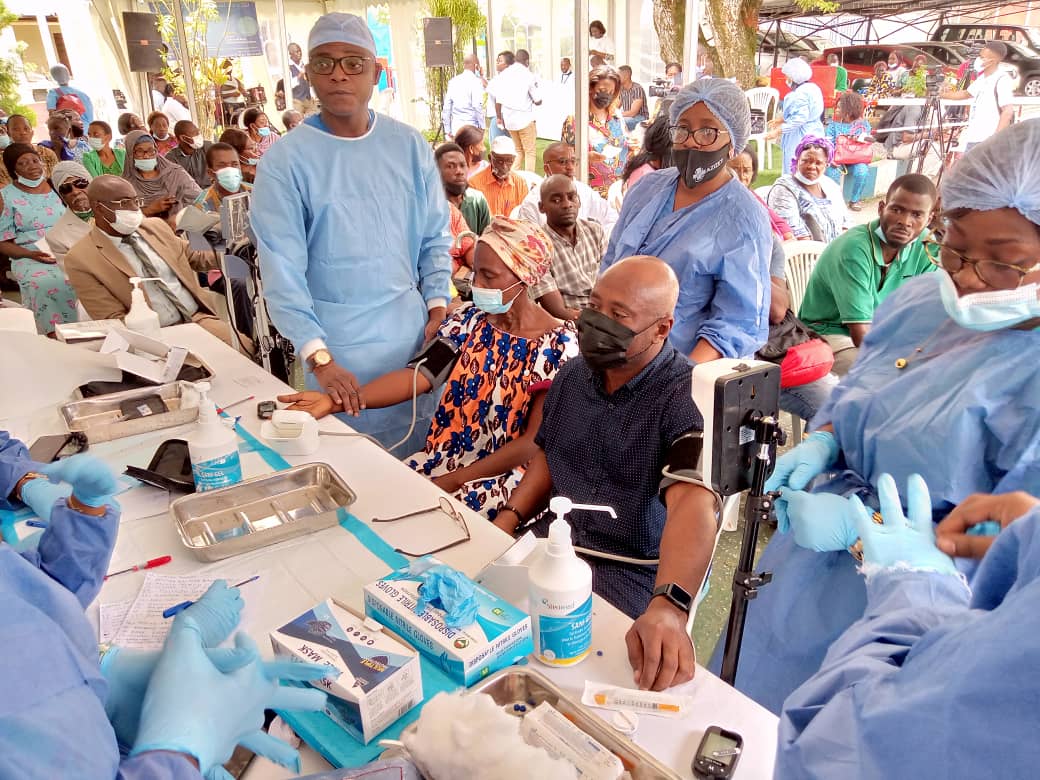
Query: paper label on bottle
{"points": [[565, 639], [217, 472]]}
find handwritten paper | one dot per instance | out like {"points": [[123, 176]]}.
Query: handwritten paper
{"points": [[111, 619]]}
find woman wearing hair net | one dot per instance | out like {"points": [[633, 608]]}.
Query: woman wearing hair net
{"points": [[944, 386], [803, 111], [699, 218]]}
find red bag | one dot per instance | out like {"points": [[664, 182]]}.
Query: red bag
{"points": [[805, 363], [849, 151], [70, 101]]}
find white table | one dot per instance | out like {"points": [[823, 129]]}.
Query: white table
{"points": [[332, 563]]}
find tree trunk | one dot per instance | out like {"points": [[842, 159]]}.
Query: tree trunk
{"points": [[734, 23], [669, 21]]}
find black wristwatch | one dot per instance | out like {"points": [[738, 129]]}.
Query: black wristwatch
{"points": [[676, 594]]}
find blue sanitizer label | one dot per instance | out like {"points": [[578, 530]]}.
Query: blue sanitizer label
{"points": [[217, 473], [566, 639]]}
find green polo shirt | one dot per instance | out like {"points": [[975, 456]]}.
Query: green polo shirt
{"points": [[847, 284], [475, 210], [841, 79]]}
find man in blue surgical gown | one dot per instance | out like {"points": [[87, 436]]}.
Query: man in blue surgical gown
{"points": [[698, 218], [352, 229], [931, 681]]}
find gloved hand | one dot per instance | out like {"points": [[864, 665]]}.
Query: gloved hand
{"points": [[899, 542], [823, 522], [796, 468], [215, 614], [192, 706], [93, 482], [41, 494]]}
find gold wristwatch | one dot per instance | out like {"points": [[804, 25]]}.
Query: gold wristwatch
{"points": [[319, 358]]}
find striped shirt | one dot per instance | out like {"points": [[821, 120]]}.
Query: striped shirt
{"points": [[574, 266], [630, 96]]}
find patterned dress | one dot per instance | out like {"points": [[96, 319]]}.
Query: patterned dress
{"points": [[486, 400], [608, 138], [25, 218]]}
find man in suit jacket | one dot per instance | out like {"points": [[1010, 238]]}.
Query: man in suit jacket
{"points": [[124, 244]]}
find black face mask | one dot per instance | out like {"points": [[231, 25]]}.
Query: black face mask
{"points": [[602, 100], [697, 166], [454, 189], [604, 342]]}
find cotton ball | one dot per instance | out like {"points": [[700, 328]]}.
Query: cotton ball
{"points": [[461, 736]]}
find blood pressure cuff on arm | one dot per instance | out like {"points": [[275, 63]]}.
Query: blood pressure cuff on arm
{"points": [[440, 356], [683, 462]]}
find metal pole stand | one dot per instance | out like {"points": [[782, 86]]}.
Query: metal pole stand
{"points": [[757, 510]]}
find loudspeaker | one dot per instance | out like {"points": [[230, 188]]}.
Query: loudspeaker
{"points": [[437, 36], [143, 42]]}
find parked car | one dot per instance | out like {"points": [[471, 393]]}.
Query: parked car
{"points": [[859, 60], [1027, 62], [1007, 33]]}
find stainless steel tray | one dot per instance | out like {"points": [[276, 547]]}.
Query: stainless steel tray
{"points": [[101, 420], [260, 511], [521, 687]]}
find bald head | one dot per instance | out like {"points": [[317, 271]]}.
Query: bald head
{"points": [[559, 202], [470, 62], [559, 157], [647, 284], [107, 195]]}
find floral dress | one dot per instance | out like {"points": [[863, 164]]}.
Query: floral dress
{"points": [[607, 138], [486, 400], [25, 218]]}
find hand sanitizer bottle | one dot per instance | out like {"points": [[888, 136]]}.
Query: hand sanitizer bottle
{"points": [[213, 448], [141, 318]]}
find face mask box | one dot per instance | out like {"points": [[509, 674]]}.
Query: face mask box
{"points": [[144, 357], [499, 637], [380, 677]]}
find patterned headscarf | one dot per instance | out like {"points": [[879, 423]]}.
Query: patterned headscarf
{"points": [[813, 142], [522, 246]]}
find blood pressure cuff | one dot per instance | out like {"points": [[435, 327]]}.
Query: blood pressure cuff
{"points": [[440, 356], [683, 462]]}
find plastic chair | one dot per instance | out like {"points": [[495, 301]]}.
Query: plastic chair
{"points": [[533, 179], [800, 259], [766, 100]]}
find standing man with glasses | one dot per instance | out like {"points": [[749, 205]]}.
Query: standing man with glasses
{"points": [[699, 218], [354, 238]]}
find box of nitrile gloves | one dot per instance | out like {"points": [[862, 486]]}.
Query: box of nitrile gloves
{"points": [[379, 675], [499, 636]]}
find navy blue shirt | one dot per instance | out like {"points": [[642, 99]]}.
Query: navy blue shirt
{"points": [[609, 450]]}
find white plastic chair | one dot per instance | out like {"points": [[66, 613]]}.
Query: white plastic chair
{"points": [[799, 260], [766, 100]]}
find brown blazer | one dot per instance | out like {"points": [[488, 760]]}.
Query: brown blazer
{"points": [[100, 274]]}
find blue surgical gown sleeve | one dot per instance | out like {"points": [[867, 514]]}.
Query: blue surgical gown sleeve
{"points": [[157, 766], [798, 110], [928, 684], [435, 242], [14, 464]]}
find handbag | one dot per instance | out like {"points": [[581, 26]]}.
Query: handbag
{"points": [[849, 151], [802, 355]]}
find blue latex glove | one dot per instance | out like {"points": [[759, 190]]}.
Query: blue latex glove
{"points": [[93, 482], [823, 522], [795, 469], [448, 590], [216, 614], [194, 707], [41, 494], [901, 543]]}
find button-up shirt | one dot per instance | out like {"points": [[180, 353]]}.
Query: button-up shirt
{"points": [[463, 102], [574, 266], [502, 196], [609, 450], [161, 305]]}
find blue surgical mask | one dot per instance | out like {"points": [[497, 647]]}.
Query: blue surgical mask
{"points": [[489, 300], [263, 131], [992, 309], [30, 183], [5, 141], [252, 161], [147, 164], [230, 179]]}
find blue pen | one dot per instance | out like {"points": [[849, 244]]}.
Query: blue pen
{"points": [[36, 523], [172, 611]]}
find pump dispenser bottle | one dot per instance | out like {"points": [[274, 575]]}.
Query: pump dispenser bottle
{"points": [[560, 588], [213, 448], [141, 318]]}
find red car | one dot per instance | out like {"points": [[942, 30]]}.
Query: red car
{"points": [[859, 60]]}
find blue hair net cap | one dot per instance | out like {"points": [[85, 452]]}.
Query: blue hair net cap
{"points": [[726, 101], [1003, 172], [341, 28]]}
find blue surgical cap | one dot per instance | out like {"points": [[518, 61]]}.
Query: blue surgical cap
{"points": [[726, 101], [341, 28], [1003, 172]]}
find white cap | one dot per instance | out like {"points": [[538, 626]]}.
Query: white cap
{"points": [[341, 28], [503, 145]]}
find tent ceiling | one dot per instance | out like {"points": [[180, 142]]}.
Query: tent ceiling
{"points": [[773, 10]]}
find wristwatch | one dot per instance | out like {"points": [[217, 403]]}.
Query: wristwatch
{"points": [[319, 358], [676, 594]]}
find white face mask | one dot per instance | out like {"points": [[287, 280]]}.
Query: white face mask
{"points": [[126, 222], [805, 179], [978, 66], [96, 143], [198, 142], [989, 310]]}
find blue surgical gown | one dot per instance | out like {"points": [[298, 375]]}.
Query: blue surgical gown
{"points": [[803, 109], [52, 694], [719, 248], [962, 413], [353, 241], [926, 684]]}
